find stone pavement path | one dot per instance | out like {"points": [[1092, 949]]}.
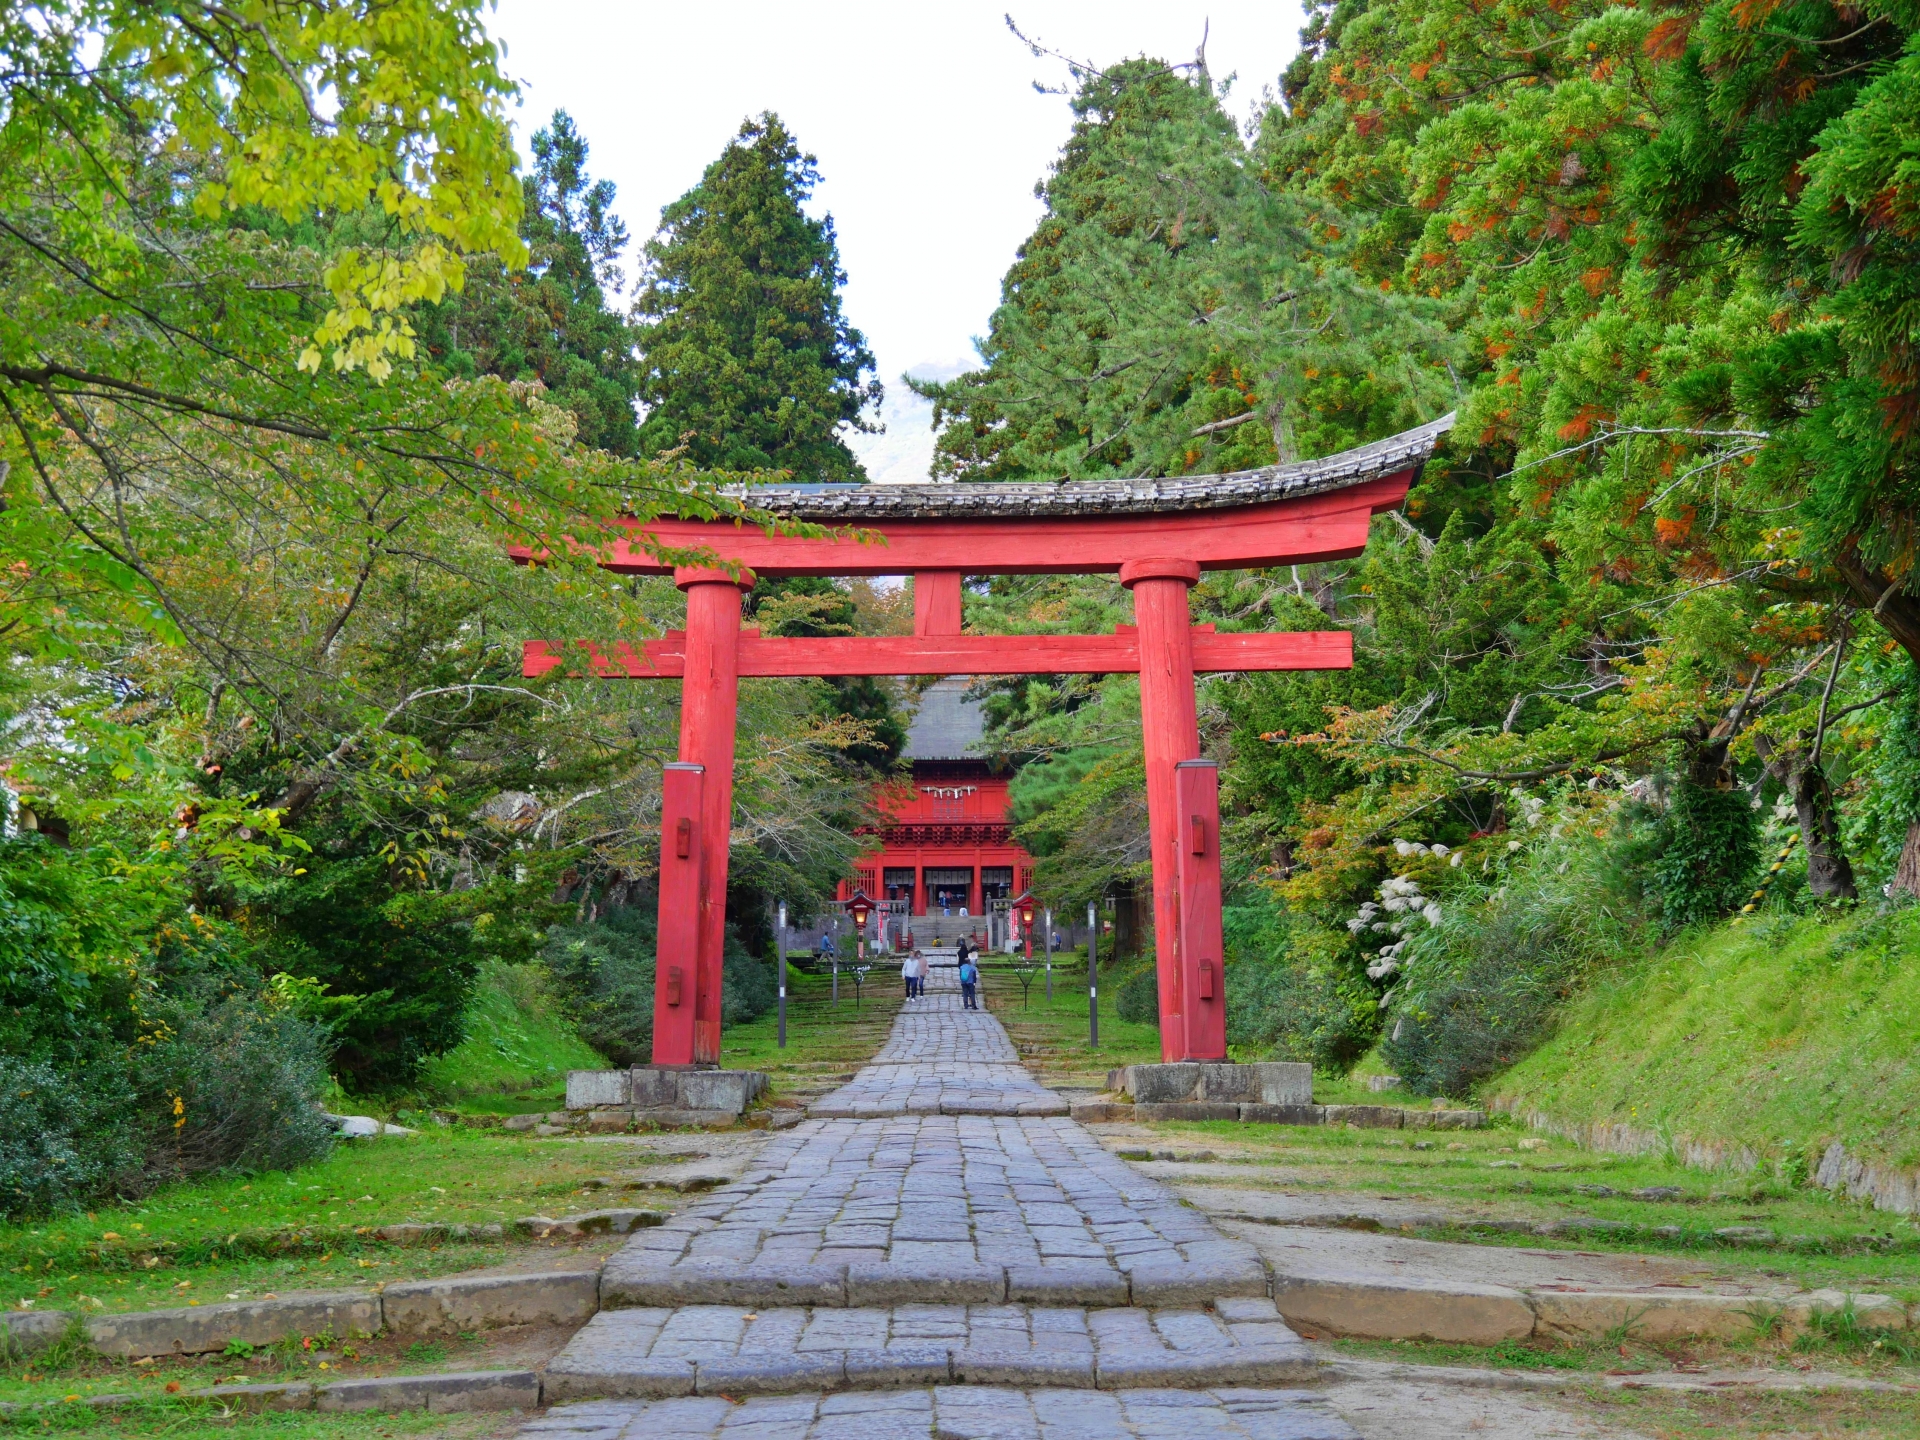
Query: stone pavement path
{"points": [[927, 1273], [936, 1208], [941, 1059]]}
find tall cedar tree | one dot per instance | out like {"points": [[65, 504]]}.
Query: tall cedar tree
{"points": [[551, 322], [746, 358], [1172, 313]]}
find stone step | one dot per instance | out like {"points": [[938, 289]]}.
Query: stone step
{"points": [[629, 1280], [734, 1350], [956, 1412]]}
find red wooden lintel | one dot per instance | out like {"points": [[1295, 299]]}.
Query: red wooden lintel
{"points": [[1327, 526], [665, 658]]}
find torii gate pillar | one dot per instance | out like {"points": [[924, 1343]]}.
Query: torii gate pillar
{"points": [[1192, 1015], [709, 696]]}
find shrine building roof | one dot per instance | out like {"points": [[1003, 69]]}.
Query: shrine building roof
{"points": [[1031, 499], [948, 725]]}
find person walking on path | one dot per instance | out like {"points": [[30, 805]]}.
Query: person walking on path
{"points": [[919, 975], [969, 977], [910, 972]]}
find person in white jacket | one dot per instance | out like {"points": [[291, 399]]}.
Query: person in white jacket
{"points": [[909, 972]]}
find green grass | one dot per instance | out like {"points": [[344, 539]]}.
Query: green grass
{"points": [[825, 1041], [175, 1417], [1782, 1034], [1845, 1244], [1052, 1034], [72, 1370], [518, 1049], [244, 1236]]}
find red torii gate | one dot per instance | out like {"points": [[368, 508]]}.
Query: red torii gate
{"points": [[1157, 534]]}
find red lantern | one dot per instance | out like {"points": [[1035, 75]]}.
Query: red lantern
{"points": [[859, 906]]}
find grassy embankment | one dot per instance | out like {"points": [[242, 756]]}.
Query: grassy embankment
{"points": [[1782, 1034], [518, 1049]]}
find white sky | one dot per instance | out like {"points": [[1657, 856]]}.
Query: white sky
{"points": [[923, 117]]}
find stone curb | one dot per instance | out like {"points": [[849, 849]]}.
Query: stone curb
{"points": [[837, 1286], [935, 1365], [404, 1308], [1369, 1117], [1373, 1371], [1468, 1314], [436, 1394]]}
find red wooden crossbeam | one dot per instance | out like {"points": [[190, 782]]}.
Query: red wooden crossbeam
{"points": [[1330, 526], [665, 658]]}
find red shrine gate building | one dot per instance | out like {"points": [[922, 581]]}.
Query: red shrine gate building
{"points": [[1156, 534], [947, 851]]}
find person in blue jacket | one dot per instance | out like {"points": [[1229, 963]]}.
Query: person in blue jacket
{"points": [[969, 978]]}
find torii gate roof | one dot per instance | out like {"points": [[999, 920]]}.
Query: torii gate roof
{"points": [[1307, 511], [1019, 499]]}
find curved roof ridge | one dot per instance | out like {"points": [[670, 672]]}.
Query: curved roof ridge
{"points": [[1021, 498]]}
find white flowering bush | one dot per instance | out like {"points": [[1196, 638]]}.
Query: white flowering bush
{"points": [[1399, 908]]}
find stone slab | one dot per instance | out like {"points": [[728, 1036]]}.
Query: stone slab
{"points": [[722, 1284], [1873, 1312], [1366, 1117], [482, 1302], [892, 1284], [473, 1390], [1067, 1285], [1644, 1316], [730, 1090], [1266, 1082], [768, 1375], [1159, 1084], [28, 1332], [597, 1089], [289, 1395], [678, 1118], [1246, 1365], [195, 1330], [1378, 1309], [1258, 1114], [1188, 1110], [1195, 1284]]}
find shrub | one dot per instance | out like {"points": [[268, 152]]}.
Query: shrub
{"points": [[604, 974], [1137, 997], [1292, 991], [229, 1086], [236, 1086], [1706, 844], [67, 1135], [1478, 989]]}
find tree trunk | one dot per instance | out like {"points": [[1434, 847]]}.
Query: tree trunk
{"points": [[1829, 875], [1906, 875], [1896, 611], [1706, 756], [1126, 924]]}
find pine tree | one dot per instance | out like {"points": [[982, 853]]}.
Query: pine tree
{"points": [[747, 360], [1173, 313], [551, 322]]}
